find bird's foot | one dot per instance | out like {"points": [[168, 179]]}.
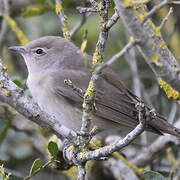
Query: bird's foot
{"points": [[140, 106], [153, 113]]}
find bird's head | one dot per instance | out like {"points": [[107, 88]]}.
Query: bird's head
{"points": [[49, 53]]}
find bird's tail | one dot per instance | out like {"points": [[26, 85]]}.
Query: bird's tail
{"points": [[162, 125]]}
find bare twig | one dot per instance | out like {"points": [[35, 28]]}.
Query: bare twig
{"points": [[69, 83], [132, 62], [113, 19], [86, 10], [175, 2], [155, 9], [131, 43], [172, 113], [158, 146], [76, 28], [166, 17]]}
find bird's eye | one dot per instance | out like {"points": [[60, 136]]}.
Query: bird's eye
{"points": [[40, 51]]}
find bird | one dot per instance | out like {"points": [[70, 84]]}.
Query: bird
{"points": [[51, 60]]}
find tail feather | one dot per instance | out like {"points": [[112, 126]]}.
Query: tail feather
{"points": [[162, 125]]}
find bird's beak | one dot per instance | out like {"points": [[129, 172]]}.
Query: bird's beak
{"points": [[20, 49]]}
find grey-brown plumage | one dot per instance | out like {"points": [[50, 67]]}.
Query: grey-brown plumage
{"points": [[50, 60]]}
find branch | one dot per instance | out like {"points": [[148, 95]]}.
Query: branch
{"points": [[76, 28], [63, 19], [158, 146], [90, 94], [166, 17], [152, 47], [113, 19], [14, 96], [155, 9], [107, 150], [86, 10], [175, 2]]}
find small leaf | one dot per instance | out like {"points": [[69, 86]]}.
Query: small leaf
{"points": [[35, 166], [53, 149], [19, 83], [149, 175]]}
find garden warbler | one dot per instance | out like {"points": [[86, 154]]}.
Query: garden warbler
{"points": [[53, 60]]}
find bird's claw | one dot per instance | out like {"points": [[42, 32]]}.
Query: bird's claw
{"points": [[153, 113], [140, 106]]}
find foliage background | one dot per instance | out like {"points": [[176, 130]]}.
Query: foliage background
{"points": [[21, 142]]}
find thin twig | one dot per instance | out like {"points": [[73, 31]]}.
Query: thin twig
{"points": [[172, 113], [63, 19], [69, 83], [159, 145], [166, 17], [76, 28], [86, 10], [107, 150], [175, 2], [155, 9], [113, 19], [130, 44]]}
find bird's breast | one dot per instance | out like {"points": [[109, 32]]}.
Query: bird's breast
{"points": [[43, 94]]}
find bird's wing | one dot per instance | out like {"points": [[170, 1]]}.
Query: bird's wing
{"points": [[113, 101]]}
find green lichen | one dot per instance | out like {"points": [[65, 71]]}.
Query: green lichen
{"points": [[6, 92], [155, 59], [170, 92], [70, 148], [95, 143], [1, 85], [71, 172], [97, 57], [132, 3], [58, 8], [13, 25], [141, 17], [162, 45], [90, 93], [82, 155], [157, 30]]}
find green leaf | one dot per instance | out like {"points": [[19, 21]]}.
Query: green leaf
{"points": [[37, 164], [19, 83], [152, 175], [40, 1], [35, 10], [53, 149]]}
